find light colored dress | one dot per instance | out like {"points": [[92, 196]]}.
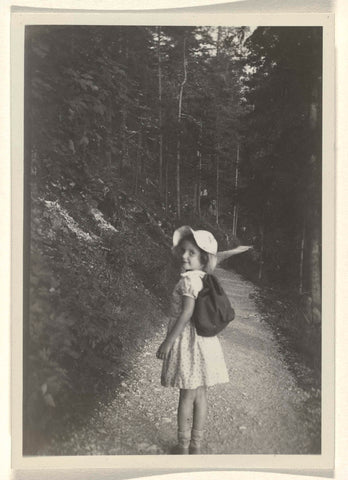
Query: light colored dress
{"points": [[193, 360]]}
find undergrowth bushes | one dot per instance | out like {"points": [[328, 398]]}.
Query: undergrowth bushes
{"points": [[87, 304]]}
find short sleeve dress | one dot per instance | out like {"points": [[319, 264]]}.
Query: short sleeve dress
{"points": [[193, 361]]}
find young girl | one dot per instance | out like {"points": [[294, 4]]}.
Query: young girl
{"points": [[191, 362]]}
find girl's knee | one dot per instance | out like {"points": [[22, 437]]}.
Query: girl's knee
{"points": [[187, 394]]}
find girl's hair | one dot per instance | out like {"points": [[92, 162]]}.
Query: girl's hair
{"points": [[208, 260]]}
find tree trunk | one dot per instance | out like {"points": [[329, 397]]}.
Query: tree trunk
{"points": [[218, 41], [315, 277], [236, 213], [262, 246], [217, 186], [196, 193], [138, 156], [235, 207], [124, 141], [262, 241], [199, 173], [195, 197], [199, 185], [315, 211], [124, 154], [302, 248], [178, 194], [178, 148], [160, 174], [166, 183], [142, 164], [218, 47]]}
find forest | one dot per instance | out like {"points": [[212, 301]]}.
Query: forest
{"points": [[131, 131]]}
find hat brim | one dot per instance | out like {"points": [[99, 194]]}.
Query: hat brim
{"points": [[185, 230], [180, 233]]}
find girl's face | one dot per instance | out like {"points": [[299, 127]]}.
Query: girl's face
{"points": [[190, 256]]}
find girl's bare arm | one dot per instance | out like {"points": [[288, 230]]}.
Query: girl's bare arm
{"points": [[187, 311]]}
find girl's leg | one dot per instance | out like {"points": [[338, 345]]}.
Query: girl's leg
{"points": [[199, 418], [185, 410], [200, 408]]}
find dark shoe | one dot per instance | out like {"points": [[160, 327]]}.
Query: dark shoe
{"points": [[178, 450], [195, 450]]}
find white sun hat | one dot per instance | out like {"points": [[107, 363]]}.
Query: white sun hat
{"points": [[204, 239]]}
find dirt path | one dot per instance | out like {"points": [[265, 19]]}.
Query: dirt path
{"points": [[261, 410]]}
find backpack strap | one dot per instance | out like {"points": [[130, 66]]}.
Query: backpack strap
{"points": [[212, 282]]}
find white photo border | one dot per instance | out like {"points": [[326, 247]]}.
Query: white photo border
{"points": [[325, 460]]}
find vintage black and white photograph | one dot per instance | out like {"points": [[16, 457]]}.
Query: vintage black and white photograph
{"points": [[172, 273]]}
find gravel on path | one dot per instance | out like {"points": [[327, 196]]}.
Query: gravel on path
{"points": [[262, 410]]}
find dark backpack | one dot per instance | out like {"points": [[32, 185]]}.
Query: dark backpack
{"points": [[213, 311]]}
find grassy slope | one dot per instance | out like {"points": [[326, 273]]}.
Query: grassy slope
{"points": [[98, 286]]}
